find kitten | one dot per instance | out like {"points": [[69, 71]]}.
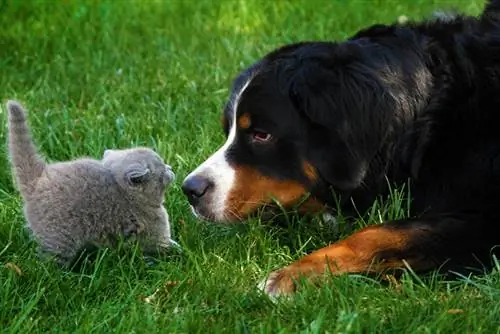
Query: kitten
{"points": [[69, 205]]}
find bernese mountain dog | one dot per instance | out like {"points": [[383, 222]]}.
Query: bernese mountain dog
{"points": [[342, 122]]}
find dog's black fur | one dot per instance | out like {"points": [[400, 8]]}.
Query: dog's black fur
{"points": [[418, 102]]}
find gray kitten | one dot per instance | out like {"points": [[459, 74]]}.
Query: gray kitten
{"points": [[70, 205]]}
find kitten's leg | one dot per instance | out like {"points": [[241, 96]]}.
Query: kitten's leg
{"points": [[66, 249], [157, 239], [164, 233], [63, 258]]}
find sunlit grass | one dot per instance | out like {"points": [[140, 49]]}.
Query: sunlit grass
{"points": [[102, 74]]}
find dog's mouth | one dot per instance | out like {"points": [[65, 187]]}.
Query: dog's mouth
{"points": [[264, 212], [205, 215]]}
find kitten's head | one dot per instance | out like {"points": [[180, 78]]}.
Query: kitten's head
{"points": [[141, 172]]}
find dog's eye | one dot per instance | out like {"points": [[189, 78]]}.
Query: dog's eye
{"points": [[261, 136]]}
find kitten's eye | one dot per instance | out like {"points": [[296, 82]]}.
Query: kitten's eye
{"points": [[261, 136]]}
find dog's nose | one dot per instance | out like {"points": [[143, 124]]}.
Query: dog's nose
{"points": [[195, 187]]}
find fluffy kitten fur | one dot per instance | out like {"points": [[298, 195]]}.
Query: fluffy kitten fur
{"points": [[69, 205]]}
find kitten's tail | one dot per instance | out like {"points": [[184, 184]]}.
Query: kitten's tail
{"points": [[27, 165]]}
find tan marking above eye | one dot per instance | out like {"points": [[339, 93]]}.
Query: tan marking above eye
{"points": [[244, 121]]}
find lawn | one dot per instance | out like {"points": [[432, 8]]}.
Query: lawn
{"points": [[102, 74]]}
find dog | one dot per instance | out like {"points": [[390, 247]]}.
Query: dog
{"points": [[336, 124]]}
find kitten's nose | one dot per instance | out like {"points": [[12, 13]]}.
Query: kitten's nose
{"points": [[195, 187]]}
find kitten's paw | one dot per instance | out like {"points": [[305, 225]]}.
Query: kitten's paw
{"points": [[170, 244], [173, 243], [150, 261]]}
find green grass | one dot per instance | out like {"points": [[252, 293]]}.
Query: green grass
{"points": [[102, 74]]}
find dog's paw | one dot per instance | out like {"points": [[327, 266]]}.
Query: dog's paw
{"points": [[278, 284]]}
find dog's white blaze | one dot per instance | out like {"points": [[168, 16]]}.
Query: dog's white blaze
{"points": [[217, 169]]}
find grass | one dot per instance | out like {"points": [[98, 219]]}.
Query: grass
{"points": [[100, 74]]}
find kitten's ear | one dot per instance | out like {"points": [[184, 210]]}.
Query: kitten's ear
{"points": [[137, 174]]}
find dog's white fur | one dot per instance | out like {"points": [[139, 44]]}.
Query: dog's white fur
{"points": [[217, 169]]}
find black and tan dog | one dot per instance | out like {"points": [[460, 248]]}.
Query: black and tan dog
{"points": [[417, 102]]}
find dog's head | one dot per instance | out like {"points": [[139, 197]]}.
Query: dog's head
{"points": [[307, 119]]}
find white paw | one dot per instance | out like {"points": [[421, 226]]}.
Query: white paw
{"points": [[266, 286], [168, 244], [276, 285], [174, 243]]}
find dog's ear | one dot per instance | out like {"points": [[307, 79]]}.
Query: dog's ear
{"points": [[329, 82], [137, 174], [347, 108], [491, 10]]}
